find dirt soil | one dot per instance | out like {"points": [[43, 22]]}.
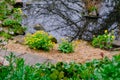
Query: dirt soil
{"points": [[83, 52]]}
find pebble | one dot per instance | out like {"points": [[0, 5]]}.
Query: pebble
{"points": [[3, 61]]}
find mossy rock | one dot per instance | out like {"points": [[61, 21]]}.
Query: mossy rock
{"points": [[38, 27], [20, 32], [53, 39]]}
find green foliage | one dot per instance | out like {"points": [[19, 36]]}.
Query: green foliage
{"points": [[12, 2], [108, 69], [105, 69], [103, 41], [10, 23], [14, 26], [5, 35], [92, 8], [11, 18], [17, 12], [18, 29], [4, 10], [66, 47], [39, 40]]}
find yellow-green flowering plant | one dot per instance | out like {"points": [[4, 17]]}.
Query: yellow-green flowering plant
{"points": [[103, 41], [39, 40]]}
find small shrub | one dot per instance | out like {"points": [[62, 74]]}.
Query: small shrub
{"points": [[10, 23], [66, 47], [39, 40], [14, 25], [4, 10], [19, 29], [17, 14], [103, 41]]}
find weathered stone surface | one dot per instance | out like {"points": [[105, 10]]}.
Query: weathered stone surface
{"points": [[116, 43], [35, 58], [19, 39]]}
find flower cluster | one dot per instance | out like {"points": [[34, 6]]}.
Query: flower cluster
{"points": [[39, 40], [103, 41]]}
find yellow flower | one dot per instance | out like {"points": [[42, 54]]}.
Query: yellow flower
{"points": [[113, 37], [106, 31], [19, 9]]}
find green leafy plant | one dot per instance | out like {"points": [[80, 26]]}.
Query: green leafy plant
{"points": [[11, 18], [18, 30], [5, 35], [66, 47], [14, 26], [4, 10], [17, 13], [10, 23], [92, 8], [108, 69], [104, 69], [103, 41], [39, 40]]}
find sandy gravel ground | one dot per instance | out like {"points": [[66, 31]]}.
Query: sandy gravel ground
{"points": [[83, 52]]}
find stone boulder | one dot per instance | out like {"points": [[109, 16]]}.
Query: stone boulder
{"points": [[116, 43], [38, 27], [19, 39], [93, 13], [53, 39], [3, 42]]}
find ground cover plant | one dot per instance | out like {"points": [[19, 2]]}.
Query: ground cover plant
{"points": [[103, 41], [105, 69], [10, 18], [66, 47], [39, 40]]}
